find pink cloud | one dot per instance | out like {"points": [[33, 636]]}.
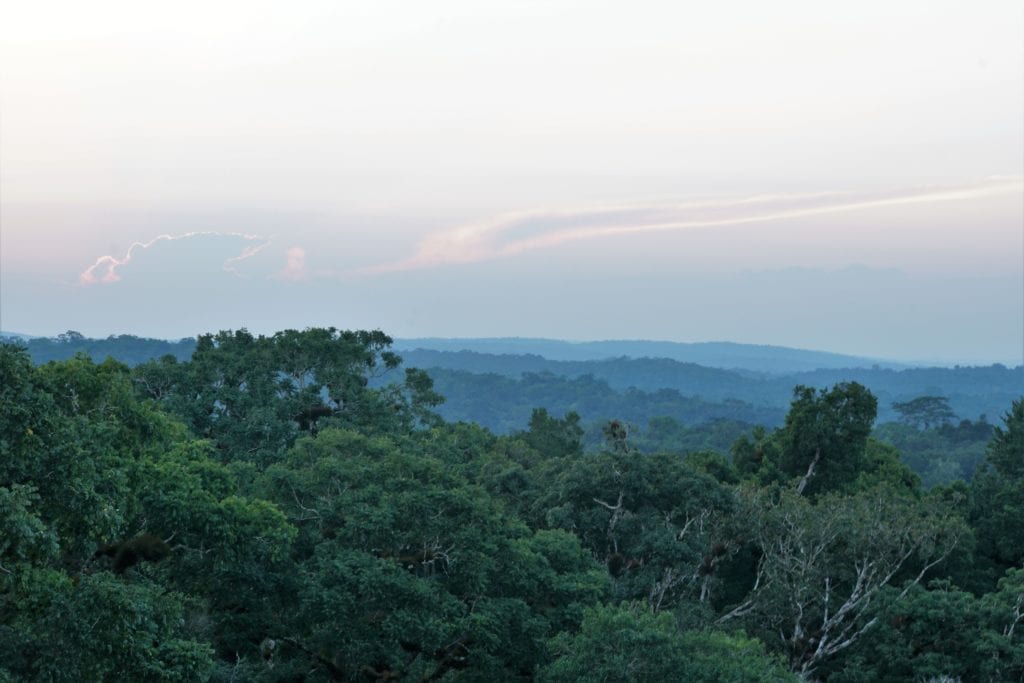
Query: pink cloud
{"points": [[523, 232], [295, 267]]}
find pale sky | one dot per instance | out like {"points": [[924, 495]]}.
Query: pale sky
{"points": [[840, 176]]}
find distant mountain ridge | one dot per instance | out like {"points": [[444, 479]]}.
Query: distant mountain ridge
{"points": [[727, 355], [126, 348], [756, 386], [972, 391], [755, 358]]}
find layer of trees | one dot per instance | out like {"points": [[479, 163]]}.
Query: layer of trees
{"points": [[510, 401], [126, 348], [668, 404], [267, 510], [971, 391], [942, 454]]}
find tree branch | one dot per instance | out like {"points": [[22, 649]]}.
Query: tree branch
{"points": [[810, 472]]}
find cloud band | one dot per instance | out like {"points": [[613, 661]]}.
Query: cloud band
{"points": [[519, 233]]}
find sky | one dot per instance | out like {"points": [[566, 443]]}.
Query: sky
{"points": [[838, 176]]}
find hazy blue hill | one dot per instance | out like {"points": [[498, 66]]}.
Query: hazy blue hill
{"points": [[754, 359], [622, 373], [126, 348], [973, 391], [772, 359], [504, 404]]}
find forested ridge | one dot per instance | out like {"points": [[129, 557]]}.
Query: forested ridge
{"points": [[666, 403], [756, 357], [972, 390], [127, 348], [296, 508]]}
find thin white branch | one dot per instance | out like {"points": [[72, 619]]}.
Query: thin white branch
{"points": [[810, 472]]}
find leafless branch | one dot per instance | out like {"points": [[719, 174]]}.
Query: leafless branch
{"points": [[1018, 615], [810, 472]]}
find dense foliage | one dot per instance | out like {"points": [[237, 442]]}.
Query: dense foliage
{"points": [[270, 510], [709, 378], [669, 404]]}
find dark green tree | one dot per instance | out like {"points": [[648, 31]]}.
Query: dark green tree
{"points": [[629, 643], [652, 519], [997, 501], [822, 442], [409, 568], [940, 632], [554, 437], [925, 411], [1006, 450]]}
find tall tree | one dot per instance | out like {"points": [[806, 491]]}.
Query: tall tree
{"points": [[1006, 449], [822, 442], [997, 501]]}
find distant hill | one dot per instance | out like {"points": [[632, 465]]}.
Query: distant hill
{"points": [[753, 357], [972, 391], [749, 357], [749, 393], [504, 404], [126, 348], [14, 335]]}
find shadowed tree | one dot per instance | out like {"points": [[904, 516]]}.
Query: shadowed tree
{"points": [[629, 643], [997, 500], [925, 411]]}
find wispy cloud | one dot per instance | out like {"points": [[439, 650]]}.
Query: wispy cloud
{"points": [[514, 234], [104, 269]]}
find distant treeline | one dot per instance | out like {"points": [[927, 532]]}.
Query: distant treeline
{"points": [[666, 420], [127, 348], [503, 404], [972, 391], [759, 357], [665, 404]]}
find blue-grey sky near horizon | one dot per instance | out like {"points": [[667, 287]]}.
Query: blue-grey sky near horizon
{"points": [[845, 177]]}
